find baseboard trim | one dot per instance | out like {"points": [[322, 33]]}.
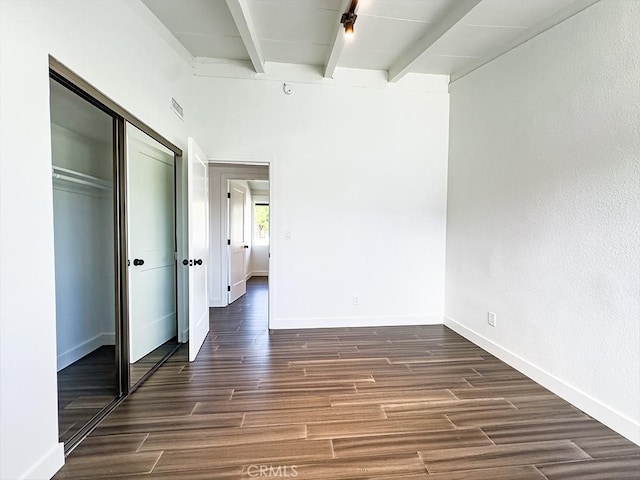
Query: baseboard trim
{"points": [[76, 353], [48, 465], [338, 322], [257, 273], [618, 422], [218, 301]]}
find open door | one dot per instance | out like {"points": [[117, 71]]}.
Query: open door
{"points": [[237, 244], [198, 248]]}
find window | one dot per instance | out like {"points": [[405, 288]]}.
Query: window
{"points": [[261, 224]]}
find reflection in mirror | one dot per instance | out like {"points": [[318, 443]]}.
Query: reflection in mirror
{"points": [[143, 366], [84, 232], [151, 250]]}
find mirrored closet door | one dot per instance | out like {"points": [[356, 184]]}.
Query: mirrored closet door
{"points": [[151, 245], [114, 211], [85, 229]]}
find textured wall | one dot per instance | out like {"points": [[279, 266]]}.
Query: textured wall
{"points": [[358, 179], [544, 208]]}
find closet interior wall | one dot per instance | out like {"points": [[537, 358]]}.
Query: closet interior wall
{"points": [[84, 243]]}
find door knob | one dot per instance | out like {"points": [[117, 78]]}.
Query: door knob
{"points": [[185, 262], [138, 261], [198, 262], [246, 246]]}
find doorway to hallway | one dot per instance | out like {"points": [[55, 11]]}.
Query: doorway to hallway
{"points": [[240, 208]]}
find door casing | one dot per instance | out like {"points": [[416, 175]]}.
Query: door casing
{"points": [[219, 249]]}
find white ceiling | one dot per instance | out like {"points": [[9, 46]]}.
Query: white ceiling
{"points": [[449, 37]]}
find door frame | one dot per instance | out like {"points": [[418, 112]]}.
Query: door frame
{"points": [[222, 253]]}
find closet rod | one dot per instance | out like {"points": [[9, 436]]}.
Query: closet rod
{"points": [[80, 178]]}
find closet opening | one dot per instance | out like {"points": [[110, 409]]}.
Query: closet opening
{"points": [[116, 229], [85, 184]]}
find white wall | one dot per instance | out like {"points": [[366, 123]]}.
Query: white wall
{"points": [[85, 302], [105, 42], [77, 152], [84, 233], [358, 176], [544, 210]]}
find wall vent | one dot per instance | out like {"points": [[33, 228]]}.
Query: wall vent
{"points": [[176, 107]]}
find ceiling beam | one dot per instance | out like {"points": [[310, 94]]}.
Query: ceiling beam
{"points": [[531, 32], [244, 22], [338, 41], [435, 31]]}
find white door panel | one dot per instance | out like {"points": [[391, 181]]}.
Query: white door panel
{"points": [[198, 206], [237, 264], [151, 238]]}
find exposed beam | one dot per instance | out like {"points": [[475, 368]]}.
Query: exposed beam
{"points": [[402, 66], [244, 22], [338, 41], [560, 16]]}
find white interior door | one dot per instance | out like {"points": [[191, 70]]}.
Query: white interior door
{"points": [[198, 251], [237, 245], [151, 244]]}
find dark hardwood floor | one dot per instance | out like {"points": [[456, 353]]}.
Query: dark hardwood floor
{"points": [[143, 366], [84, 388], [350, 403]]}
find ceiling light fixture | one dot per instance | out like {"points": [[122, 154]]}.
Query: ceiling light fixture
{"points": [[349, 19]]}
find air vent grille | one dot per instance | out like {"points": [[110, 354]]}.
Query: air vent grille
{"points": [[176, 107]]}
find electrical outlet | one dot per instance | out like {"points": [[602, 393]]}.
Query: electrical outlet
{"points": [[356, 299], [491, 319]]}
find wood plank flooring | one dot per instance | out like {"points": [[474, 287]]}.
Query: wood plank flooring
{"points": [[364, 403], [84, 388], [140, 368]]}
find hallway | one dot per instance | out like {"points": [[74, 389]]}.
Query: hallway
{"points": [[384, 403]]}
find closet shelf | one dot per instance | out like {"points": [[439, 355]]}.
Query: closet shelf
{"points": [[68, 175]]}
